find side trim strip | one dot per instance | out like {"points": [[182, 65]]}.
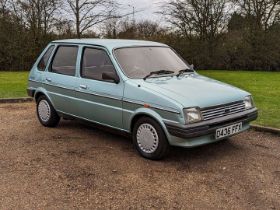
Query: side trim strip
{"points": [[153, 106], [58, 86], [114, 98], [100, 95]]}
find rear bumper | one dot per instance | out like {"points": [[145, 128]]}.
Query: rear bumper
{"points": [[209, 127]]}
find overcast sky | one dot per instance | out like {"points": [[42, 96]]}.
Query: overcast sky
{"points": [[148, 7]]}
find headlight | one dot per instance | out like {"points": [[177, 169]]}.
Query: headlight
{"points": [[248, 101], [192, 115]]}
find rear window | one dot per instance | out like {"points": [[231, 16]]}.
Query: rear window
{"points": [[64, 61], [44, 60]]}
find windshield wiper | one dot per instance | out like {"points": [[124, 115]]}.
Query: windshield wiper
{"points": [[184, 71], [160, 72]]}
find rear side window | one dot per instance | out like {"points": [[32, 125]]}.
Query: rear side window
{"points": [[96, 62], [64, 61], [44, 60]]}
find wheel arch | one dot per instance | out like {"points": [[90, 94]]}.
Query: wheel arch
{"points": [[39, 92], [145, 112]]}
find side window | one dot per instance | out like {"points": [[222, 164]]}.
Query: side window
{"points": [[44, 60], [64, 61], [96, 62]]}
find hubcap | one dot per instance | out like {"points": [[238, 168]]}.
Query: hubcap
{"points": [[147, 138], [44, 110]]}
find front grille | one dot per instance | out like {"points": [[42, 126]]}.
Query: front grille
{"points": [[223, 110]]}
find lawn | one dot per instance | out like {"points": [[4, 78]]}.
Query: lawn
{"points": [[265, 87], [13, 84]]}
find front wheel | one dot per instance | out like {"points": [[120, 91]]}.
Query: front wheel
{"points": [[46, 113], [149, 139]]}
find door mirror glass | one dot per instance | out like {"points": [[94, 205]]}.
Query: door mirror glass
{"points": [[192, 67]]}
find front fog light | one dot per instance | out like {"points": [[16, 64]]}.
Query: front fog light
{"points": [[192, 115], [248, 101]]}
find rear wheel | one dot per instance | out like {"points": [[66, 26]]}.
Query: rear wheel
{"points": [[149, 139], [46, 113]]}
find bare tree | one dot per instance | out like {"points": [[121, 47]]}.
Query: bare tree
{"points": [[3, 6], [109, 29], [265, 12], [36, 15], [120, 22], [88, 13], [149, 29], [205, 18]]}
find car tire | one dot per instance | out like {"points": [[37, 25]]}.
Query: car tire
{"points": [[150, 139], [46, 113]]}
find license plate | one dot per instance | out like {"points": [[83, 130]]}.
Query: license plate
{"points": [[228, 131]]}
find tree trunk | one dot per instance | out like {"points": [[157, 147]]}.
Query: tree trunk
{"points": [[78, 20]]}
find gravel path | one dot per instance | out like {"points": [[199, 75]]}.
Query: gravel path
{"points": [[75, 166]]}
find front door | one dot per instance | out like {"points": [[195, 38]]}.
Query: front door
{"points": [[100, 99]]}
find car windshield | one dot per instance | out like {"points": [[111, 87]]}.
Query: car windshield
{"points": [[138, 62]]}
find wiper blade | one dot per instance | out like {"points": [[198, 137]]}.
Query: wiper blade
{"points": [[184, 71], [160, 72]]}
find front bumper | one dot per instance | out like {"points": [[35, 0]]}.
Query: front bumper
{"points": [[209, 127]]}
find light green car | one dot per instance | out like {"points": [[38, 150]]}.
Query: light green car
{"points": [[141, 88]]}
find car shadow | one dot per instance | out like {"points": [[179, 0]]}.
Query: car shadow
{"points": [[211, 151], [197, 155]]}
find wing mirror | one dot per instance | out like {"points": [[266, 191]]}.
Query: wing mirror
{"points": [[192, 67], [109, 76]]}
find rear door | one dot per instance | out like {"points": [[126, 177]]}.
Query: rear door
{"points": [[100, 100], [60, 80]]}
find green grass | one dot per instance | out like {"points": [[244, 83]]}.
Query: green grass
{"points": [[13, 84], [265, 87]]}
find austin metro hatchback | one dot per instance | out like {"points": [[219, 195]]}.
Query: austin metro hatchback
{"points": [[142, 88]]}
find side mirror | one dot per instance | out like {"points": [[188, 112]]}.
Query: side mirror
{"points": [[111, 77], [192, 67]]}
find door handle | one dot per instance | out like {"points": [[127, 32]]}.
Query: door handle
{"points": [[83, 86], [48, 79]]}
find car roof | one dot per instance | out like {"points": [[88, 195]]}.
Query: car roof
{"points": [[111, 43]]}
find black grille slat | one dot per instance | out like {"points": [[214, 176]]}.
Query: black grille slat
{"points": [[223, 110]]}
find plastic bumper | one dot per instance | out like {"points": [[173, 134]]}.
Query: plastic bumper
{"points": [[208, 128]]}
